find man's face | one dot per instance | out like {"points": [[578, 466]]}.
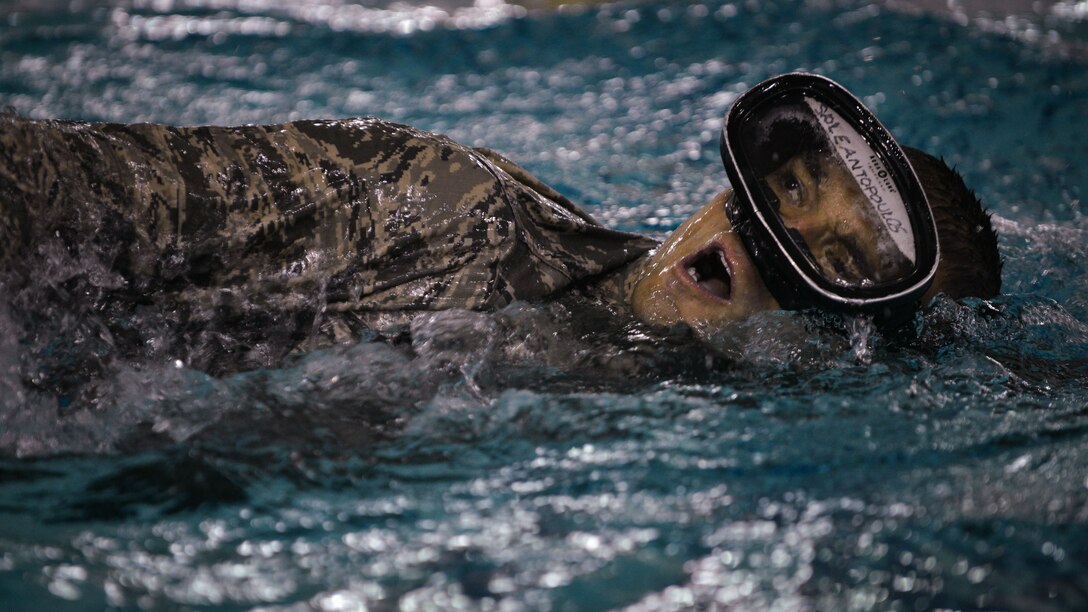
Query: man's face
{"points": [[701, 275], [819, 199]]}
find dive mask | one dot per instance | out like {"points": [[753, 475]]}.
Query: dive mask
{"points": [[825, 200]]}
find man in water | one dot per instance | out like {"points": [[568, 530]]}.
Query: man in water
{"points": [[252, 242], [703, 274]]}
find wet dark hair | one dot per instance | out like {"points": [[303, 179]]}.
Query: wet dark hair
{"points": [[970, 264], [783, 136]]}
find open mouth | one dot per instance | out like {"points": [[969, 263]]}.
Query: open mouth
{"points": [[708, 271]]}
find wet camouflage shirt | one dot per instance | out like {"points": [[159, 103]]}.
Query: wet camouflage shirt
{"points": [[335, 223]]}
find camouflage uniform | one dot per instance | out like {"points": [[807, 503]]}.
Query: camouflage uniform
{"points": [[335, 226]]}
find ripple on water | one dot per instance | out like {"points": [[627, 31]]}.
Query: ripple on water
{"points": [[536, 458]]}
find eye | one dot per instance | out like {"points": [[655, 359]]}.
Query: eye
{"points": [[793, 189]]}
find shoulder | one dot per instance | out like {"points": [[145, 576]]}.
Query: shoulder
{"points": [[369, 141]]}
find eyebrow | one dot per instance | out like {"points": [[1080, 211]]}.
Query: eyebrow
{"points": [[811, 159]]}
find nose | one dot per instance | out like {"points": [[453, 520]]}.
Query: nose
{"points": [[840, 256], [842, 244]]}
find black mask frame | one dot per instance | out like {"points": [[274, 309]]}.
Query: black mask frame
{"points": [[790, 272]]}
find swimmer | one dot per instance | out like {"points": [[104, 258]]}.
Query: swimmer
{"points": [[839, 219], [702, 275], [257, 241]]}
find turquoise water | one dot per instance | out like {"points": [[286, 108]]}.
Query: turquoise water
{"points": [[520, 460]]}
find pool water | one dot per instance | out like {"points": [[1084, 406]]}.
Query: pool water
{"points": [[517, 460]]}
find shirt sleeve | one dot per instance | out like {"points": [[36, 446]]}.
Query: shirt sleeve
{"points": [[446, 226], [563, 243], [258, 235]]}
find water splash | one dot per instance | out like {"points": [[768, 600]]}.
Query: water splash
{"points": [[527, 458]]}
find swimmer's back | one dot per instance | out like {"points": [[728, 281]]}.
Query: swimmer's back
{"points": [[371, 216]]}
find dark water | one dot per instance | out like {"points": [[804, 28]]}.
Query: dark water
{"points": [[516, 460]]}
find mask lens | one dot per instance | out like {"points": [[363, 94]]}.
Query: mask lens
{"points": [[834, 195]]}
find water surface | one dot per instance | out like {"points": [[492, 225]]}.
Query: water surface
{"points": [[516, 460]]}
